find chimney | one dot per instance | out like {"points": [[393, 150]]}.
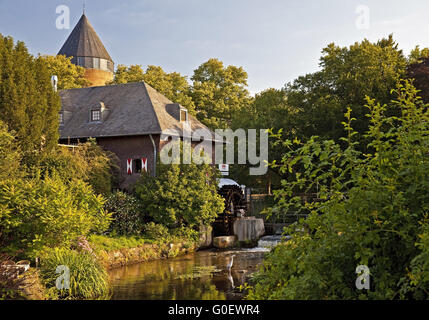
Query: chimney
{"points": [[54, 81]]}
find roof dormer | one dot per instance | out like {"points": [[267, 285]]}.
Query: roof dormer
{"points": [[98, 113]]}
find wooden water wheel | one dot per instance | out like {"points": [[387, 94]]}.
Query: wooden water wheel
{"points": [[235, 204]]}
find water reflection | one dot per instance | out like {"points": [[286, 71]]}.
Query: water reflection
{"points": [[199, 276]]}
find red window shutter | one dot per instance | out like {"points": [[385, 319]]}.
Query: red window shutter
{"points": [[144, 164], [130, 166]]}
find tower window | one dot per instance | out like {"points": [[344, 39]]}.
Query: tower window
{"points": [[96, 63], [103, 64], [95, 115], [61, 116], [80, 61]]}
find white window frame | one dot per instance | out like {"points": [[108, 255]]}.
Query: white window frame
{"points": [[93, 112]]}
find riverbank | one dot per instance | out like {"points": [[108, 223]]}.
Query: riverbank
{"points": [[110, 252], [143, 253]]}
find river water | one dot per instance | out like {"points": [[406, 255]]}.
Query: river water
{"points": [[202, 275]]}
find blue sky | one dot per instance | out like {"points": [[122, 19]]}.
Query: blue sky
{"points": [[274, 40]]}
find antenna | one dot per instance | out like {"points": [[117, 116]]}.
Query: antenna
{"points": [[84, 7]]}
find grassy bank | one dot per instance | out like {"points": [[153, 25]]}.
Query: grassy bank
{"points": [[114, 252], [88, 268]]}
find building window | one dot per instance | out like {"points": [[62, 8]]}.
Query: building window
{"points": [[61, 118], [95, 115], [80, 61], [183, 115], [96, 63], [103, 64], [137, 165]]}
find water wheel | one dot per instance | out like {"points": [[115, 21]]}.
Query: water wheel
{"points": [[235, 204]]}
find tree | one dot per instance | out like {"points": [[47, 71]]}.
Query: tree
{"points": [[181, 195], [417, 55], [268, 110], [47, 212], [418, 70], [10, 154], [219, 93], [70, 76], [372, 210], [347, 76], [86, 161], [173, 85], [124, 74], [28, 104]]}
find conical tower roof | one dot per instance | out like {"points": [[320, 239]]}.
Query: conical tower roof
{"points": [[84, 42]]}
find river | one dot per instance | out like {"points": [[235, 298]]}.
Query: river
{"points": [[202, 275]]}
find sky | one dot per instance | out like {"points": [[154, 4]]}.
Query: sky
{"points": [[275, 41]]}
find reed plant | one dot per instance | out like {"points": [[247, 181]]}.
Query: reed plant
{"points": [[88, 278]]}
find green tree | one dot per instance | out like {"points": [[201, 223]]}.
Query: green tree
{"points": [[28, 104], [417, 55], [268, 110], [347, 76], [37, 213], [372, 210], [219, 93], [70, 76], [10, 154], [124, 74], [418, 70], [86, 161], [181, 195]]}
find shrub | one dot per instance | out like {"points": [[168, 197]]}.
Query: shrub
{"points": [[99, 242], [126, 214], [47, 212], [156, 232], [88, 278], [181, 195], [188, 234], [87, 162], [374, 210]]}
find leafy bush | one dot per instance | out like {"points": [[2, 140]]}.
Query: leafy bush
{"points": [[373, 211], [88, 278], [156, 231], [181, 195], [188, 234], [87, 162], [47, 212], [99, 242], [126, 216]]}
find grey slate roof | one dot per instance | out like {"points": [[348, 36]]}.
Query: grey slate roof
{"points": [[84, 42], [129, 109]]}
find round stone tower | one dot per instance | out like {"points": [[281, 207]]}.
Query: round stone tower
{"points": [[88, 51]]}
